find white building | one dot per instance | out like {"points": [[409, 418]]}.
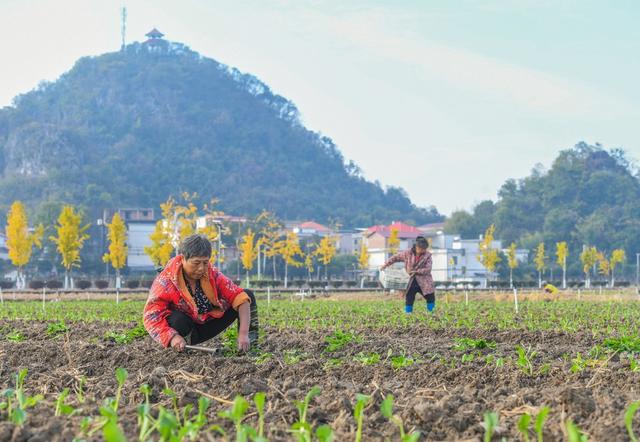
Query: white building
{"points": [[4, 252], [138, 237]]}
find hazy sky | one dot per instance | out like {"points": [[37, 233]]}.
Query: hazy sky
{"points": [[445, 98]]}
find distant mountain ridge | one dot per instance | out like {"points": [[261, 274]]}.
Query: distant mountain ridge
{"points": [[130, 128]]}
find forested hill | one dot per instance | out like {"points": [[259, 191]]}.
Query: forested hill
{"points": [[589, 196], [127, 129]]}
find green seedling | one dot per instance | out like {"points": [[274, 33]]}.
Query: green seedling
{"points": [[464, 344], [338, 340], [386, 408], [525, 359], [16, 336], [80, 389], [127, 337], [634, 365], [629, 344], [367, 358], [540, 420], [121, 377], [628, 419], [523, 426], [302, 429], [401, 361], [293, 356], [358, 413], [574, 433], [263, 358], [236, 414], [56, 328], [467, 357], [16, 402], [61, 407], [324, 433], [578, 364], [333, 363], [259, 399], [145, 420], [490, 424]]}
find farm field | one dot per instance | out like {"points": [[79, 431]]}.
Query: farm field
{"points": [[467, 372]]}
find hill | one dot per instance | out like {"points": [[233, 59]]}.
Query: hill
{"points": [[130, 128]]}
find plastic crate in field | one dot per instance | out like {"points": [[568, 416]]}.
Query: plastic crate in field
{"points": [[394, 278]]}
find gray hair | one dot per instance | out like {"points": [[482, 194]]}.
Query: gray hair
{"points": [[195, 246]]}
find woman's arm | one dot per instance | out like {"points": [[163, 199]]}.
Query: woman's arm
{"points": [[156, 311], [244, 316], [395, 258]]}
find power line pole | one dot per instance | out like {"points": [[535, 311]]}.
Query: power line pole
{"points": [[123, 29]]}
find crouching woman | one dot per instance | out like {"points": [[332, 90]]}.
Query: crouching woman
{"points": [[191, 301]]}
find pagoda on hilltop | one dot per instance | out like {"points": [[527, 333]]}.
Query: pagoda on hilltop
{"points": [[154, 37]]}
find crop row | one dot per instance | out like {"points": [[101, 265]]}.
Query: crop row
{"points": [[598, 318]]}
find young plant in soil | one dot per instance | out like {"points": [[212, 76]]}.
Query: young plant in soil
{"points": [[525, 359], [16, 336], [259, 400], [358, 413], [367, 358], [16, 402], [338, 340], [302, 429], [236, 414], [56, 328], [386, 408], [540, 420], [464, 344], [523, 426], [574, 433], [628, 420], [61, 407], [490, 424]]}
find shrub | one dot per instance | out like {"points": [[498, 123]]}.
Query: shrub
{"points": [[351, 284], [146, 283], [132, 284], [101, 284], [54, 284], [36, 284], [83, 284], [6, 284]]}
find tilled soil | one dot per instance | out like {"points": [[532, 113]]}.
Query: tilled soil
{"points": [[438, 395]]}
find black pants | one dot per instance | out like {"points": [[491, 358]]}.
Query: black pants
{"points": [[414, 288], [184, 325]]}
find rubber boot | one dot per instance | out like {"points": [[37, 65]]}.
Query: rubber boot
{"points": [[408, 309], [431, 306]]}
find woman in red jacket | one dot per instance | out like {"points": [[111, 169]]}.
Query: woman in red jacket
{"points": [[418, 263], [191, 301]]}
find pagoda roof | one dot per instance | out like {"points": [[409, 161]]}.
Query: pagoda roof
{"points": [[154, 33]]}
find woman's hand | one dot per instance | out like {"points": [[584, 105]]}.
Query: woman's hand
{"points": [[178, 343], [243, 340]]}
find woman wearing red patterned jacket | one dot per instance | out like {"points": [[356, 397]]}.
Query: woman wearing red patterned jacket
{"points": [[191, 301], [418, 263]]}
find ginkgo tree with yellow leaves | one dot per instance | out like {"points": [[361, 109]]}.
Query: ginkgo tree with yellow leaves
{"points": [[179, 220], [363, 261], [69, 239], [489, 257], [562, 252], [393, 242], [289, 249], [248, 251], [118, 250], [326, 251], [588, 257], [20, 241], [618, 256]]}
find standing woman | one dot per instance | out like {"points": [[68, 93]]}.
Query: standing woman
{"points": [[418, 263]]}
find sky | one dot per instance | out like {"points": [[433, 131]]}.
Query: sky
{"points": [[446, 99]]}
